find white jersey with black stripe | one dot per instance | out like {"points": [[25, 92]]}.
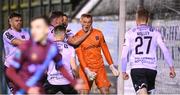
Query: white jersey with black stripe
{"points": [[10, 35]]}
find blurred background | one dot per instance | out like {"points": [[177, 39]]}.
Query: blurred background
{"points": [[165, 16]]}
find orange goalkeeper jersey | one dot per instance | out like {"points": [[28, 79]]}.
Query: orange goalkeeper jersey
{"points": [[89, 52]]}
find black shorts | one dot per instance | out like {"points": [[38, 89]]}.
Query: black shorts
{"points": [[142, 77], [54, 89]]}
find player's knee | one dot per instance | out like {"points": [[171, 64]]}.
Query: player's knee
{"points": [[152, 92], [104, 90], [142, 90]]}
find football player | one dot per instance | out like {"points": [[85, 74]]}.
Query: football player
{"points": [[142, 40], [56, 80], [13, 37], [90, 58], [58, 18]]}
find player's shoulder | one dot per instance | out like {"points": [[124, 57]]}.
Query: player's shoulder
{"points": [[97, 31], [151, 28], [66, 45], [132, 29], [147, 27], [8, 31], [70, 34], [70, 47], [154, 30], [8, 34]]}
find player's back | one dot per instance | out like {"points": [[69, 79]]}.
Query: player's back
{"points": [[143, 43], [54, 76]]}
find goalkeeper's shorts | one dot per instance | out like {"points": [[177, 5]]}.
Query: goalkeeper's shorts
{"points": [[101, 79]]}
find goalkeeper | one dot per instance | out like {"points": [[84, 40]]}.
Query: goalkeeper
{"points": [[90, 58]]}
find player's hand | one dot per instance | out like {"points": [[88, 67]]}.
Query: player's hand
{"points": [[172, 73], [90, 74], [125, 76], [34, 90], [79, 85], [114, 70]]}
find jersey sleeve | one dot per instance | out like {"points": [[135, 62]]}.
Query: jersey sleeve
{"points": [[164, 49], [77, 35], [70, 38], [81, 57], [8, 36], [105, 50], [125, 50]]}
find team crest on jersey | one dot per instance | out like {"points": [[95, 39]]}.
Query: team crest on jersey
{"points": [[97, 37], [65, 46], [34, 56], [23, 37]]}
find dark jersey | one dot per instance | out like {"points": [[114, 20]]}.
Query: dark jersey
{"points": [[29, 59]]}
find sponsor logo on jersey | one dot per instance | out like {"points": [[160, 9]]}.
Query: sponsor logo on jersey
{"points": [[65, 46], [9, 36]]}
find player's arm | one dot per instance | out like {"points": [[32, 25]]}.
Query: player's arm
{"points": [[11, 72], [166, 54], [74, 67], [77, 40], [73, 64], [124, 55], [125, 51], [106, 51], [12, 39], [108, 55], [17, 42]]}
